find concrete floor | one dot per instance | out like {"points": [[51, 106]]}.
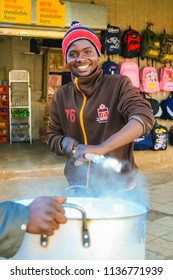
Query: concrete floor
{"points": [[27, 171]]}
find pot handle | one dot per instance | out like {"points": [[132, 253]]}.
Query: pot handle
{"points": [[85, 233]]}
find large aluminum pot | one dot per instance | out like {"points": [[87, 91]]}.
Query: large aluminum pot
{"points": [[97, 228]]}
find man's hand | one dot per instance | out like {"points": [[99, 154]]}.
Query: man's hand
{"points": [[81, 150], [46, 214], [68, 144]]}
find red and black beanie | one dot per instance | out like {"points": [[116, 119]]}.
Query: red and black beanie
{"points": [[78, 31]]}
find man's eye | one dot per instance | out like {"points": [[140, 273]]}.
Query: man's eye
{"points": [[72, 55], [88, 52]]}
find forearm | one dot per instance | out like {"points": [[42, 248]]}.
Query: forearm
{"points": [[132, 130], [13, 218]]}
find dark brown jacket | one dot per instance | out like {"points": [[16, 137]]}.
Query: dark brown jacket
{"points": [[90, 110]]}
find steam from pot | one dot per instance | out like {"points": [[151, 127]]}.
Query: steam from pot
{"points": [[107, 181]]}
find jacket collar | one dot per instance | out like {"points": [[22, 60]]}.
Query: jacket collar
{"points": [[88, 85]]}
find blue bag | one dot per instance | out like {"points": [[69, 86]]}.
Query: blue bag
{"points": [[144, 142], [167, 107], [110, 68], [156, 139]]}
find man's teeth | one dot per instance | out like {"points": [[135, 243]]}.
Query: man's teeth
{"points": [[83, 67]]}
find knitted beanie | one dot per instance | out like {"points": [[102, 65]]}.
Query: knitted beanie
{"points": [[78, 31]]}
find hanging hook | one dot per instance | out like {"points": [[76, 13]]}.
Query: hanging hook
{"points": [[149, 24]]}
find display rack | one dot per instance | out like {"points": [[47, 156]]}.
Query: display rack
{"points": [[20, 106], [54, 71], [4, 112]]}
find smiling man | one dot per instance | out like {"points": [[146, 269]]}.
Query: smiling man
{"points": [[94, 113], [79, 51]]}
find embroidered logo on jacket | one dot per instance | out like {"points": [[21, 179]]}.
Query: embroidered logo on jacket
{"points": [[103, 114]]}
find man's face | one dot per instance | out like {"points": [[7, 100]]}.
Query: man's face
{"points": [[82, 58]]}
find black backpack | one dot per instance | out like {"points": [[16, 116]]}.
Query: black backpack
{"points": [[111, 40], [131, 43], [170, 135], [160, 137], [155, 105]]}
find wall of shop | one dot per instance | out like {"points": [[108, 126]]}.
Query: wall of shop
{"points": [[121, 13], [136, 13]]}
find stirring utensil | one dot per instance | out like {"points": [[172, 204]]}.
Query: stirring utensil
{"points": [[106, 162], [100, 159]]}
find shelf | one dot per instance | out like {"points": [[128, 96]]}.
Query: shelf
{"points": [[4, 85], [4, 116], [19, 81], [3, 113], [4, 141], [20, 138], [3, 119], [19, 126], [4, 100], [20, 106]]}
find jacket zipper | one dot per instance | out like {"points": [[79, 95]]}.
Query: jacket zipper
{"points": [[81, 119]]}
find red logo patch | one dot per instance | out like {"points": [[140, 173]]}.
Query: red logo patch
{"points": [[103, 114]]}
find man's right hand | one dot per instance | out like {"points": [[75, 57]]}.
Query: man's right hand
{"points": [[45, 215], [68, 144]]}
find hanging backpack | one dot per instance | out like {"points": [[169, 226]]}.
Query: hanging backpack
{"points": [[170, 135], [131, 43], [148, 79], [166, 78], [144, 142], [131, 70], [111, 40], [110, 67], [166, 48], [156, 139], [167, 107], [155, 105], [160, 137], [150, 44]]}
